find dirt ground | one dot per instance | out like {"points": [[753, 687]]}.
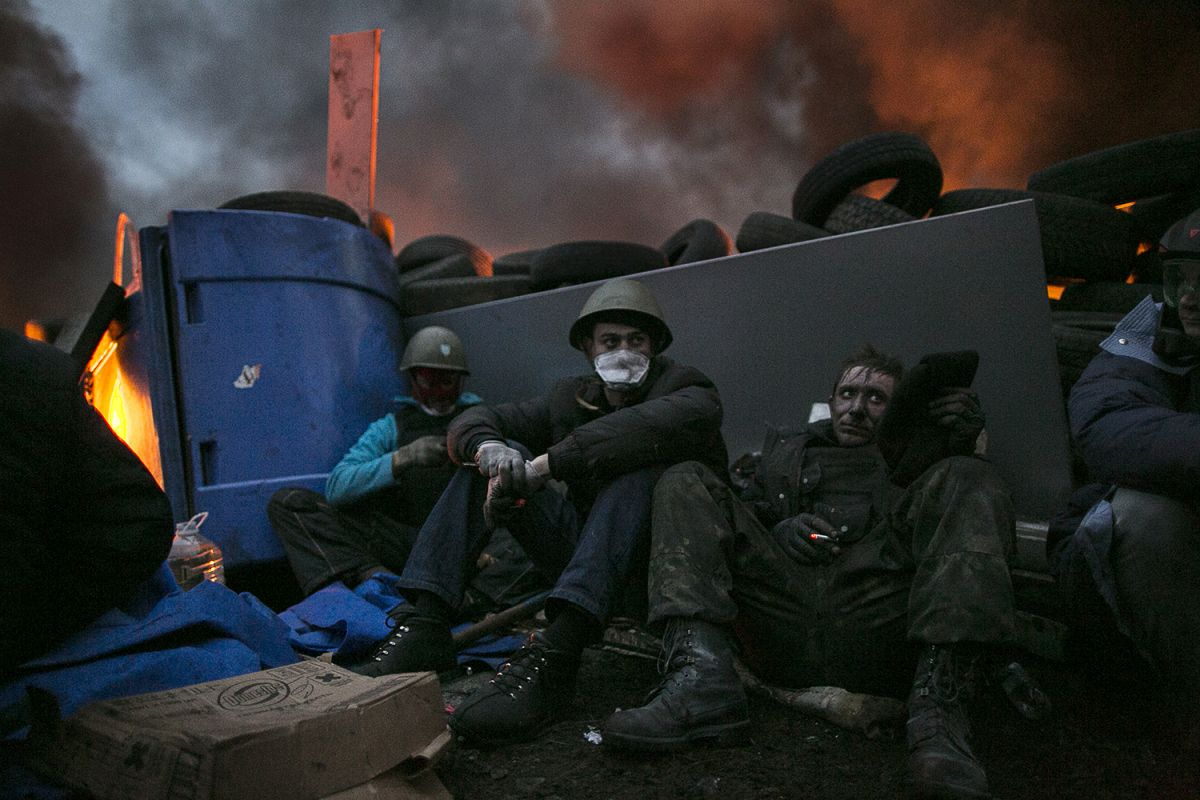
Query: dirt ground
{"points": [[1092, 747]]}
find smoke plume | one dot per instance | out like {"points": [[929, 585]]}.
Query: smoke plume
{"points": [[52, 182], [528, 123]]}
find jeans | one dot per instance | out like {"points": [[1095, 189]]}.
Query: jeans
{"points": [[1129, 574], [590, 554]]}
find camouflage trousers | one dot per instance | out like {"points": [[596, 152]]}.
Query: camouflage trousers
{"points": [[933, 570]]}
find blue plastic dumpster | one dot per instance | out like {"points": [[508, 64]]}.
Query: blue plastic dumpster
{"points": [[269, 342]]}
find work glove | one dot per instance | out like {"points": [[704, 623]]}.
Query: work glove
{"points": [[507, 491], [492, 456], [957, 410], [807, 539], [427, 451], [499, 504]]}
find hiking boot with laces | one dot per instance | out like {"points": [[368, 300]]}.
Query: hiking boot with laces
{"points": [[699, 697], [417, 644], [940, 761], [528, 694]]}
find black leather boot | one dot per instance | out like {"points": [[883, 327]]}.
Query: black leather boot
{"points": [[530, 692], [418, 643], [699, 697], [940, 761]]}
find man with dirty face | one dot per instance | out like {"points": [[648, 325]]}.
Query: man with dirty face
{"points": [[830, 573], [607, 436]]}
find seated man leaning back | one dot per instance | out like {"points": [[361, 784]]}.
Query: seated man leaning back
{"points": [[837, 577], [608, 436], [1130, 572], [381, 491]]}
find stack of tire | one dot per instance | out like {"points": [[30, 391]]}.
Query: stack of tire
{"points": [[1101, 215], [441, 271], [825, 201]]}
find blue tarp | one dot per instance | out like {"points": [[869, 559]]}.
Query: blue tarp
{"points": [[348, 622], [161, 639]]}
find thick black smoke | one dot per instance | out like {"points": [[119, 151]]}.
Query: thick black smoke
{"points": [[527, 123], [51, 182]]}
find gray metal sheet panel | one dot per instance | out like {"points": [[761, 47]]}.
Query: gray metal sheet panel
{"points": [[770, 328]]}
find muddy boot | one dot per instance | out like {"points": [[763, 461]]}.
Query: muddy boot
{"points": [[940, 761], [530, 692], [699, 697], [418, 643]]}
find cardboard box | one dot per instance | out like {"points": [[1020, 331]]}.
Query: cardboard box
{"points": [[299, 732]]}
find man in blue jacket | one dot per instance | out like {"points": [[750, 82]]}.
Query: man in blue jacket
{"points": [[379, 494], [1134, 562]]}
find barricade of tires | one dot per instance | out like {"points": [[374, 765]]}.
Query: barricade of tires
{"points": [[1099, 214]]}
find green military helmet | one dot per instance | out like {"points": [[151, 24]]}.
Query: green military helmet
{"points": [[435, 347], [622, 300]]}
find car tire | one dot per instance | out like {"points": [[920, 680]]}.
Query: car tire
{"points": [[455, 266], [580, 262], [699, 240], [310, 204], [440, 294], [1080, 238], [1127, 172], [517, 263], [858, 212], [762, 229], [902, 156], [435, 247]]}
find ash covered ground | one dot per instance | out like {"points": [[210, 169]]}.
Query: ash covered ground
{"points": [[1097, 744]]}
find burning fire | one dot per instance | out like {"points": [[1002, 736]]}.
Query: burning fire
{"points": [[124, 403]]}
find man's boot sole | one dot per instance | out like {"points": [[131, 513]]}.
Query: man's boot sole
{"points": [[723, 733]]}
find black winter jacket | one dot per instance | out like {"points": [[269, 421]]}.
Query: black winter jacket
{"points": [[82, 522], [674, 417]]}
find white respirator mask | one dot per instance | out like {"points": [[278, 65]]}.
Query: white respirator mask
{"points": [[622, 370]]}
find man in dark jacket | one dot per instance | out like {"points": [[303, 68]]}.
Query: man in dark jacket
{"points": [[1134, 562], [607, 435], [82, 522], [838, 575], [379, 494]]}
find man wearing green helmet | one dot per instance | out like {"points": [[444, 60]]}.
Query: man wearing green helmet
{"points": [[1130, 567], [607, 435], [381, 491]]}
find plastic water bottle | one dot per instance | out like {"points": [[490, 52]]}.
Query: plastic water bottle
{"points": [[194, 557]]}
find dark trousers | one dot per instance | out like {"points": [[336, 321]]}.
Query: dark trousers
{"points": [[325, 543], [933, 571], [589, 555], [1138, 575]]}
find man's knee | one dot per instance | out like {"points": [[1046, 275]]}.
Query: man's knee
{"points": [[1155, 529], [965, 471], [685, 478]]}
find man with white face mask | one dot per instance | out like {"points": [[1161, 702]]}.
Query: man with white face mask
{"points": [[607, 435]]}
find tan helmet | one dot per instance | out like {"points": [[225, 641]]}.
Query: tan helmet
{"points": [[618, 298], [435, 347]]}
